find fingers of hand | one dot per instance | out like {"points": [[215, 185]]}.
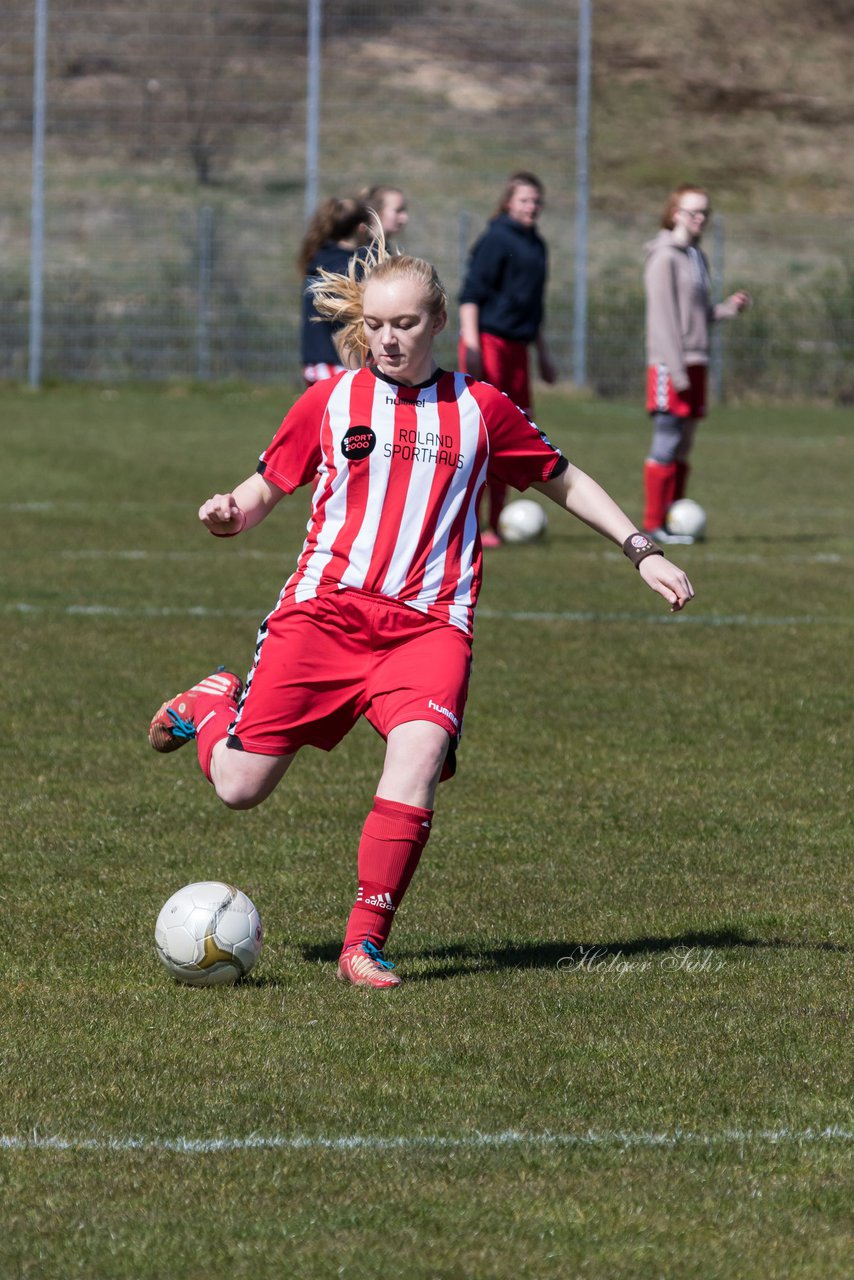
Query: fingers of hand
{"points": [[668, 580], [683, 592], [220, 509]]}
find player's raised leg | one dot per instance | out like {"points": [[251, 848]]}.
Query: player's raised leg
{"points": [[205, 713], [177, 721]]}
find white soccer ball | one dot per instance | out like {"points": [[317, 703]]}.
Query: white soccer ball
{"points": [[687, 517], [522, 521], [208, 934]]}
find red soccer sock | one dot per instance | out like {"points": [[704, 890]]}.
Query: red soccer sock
{"points": [[659, 482], [393, 838], [213, 714]]}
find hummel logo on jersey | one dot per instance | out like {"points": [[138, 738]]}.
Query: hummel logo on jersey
{"points": [[357, 443], [417, 404], [444, 711]]}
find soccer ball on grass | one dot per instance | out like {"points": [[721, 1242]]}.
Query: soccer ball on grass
{"points": [[686, 517], [522, 521], [208, 934]]}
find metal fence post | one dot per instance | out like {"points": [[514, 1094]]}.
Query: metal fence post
{"points": [[312, 108], [205, 253], [582, 194], [37, 205]]}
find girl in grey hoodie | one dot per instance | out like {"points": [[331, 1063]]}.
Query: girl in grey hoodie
{"points": [[679, 313]]}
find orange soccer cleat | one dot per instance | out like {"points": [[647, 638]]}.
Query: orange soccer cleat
{"points": [[175, 722], [365, 966]]}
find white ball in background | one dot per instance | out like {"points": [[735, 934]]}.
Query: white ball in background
{"points": [[687, 517], [522, 521]]}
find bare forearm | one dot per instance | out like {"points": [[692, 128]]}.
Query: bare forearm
{"points": [[580, 495]]}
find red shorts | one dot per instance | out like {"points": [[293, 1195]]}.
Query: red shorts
{"points": [[505, 365], [322, 663], [662, 396]]}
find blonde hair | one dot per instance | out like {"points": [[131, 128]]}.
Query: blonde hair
{"points": [[340, 298]]}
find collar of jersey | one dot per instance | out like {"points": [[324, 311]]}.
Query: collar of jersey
{"points": [[407, 386]]}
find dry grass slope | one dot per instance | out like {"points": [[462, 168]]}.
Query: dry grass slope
{"points": [[753, 96]]}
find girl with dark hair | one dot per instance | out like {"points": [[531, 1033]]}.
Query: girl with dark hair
{"points": [[335, 234]]}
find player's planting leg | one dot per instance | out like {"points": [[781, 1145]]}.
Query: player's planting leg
{"points": [[393, 838]]}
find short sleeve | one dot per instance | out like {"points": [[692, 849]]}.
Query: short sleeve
{"points": [[520, 453], [294, 454]]}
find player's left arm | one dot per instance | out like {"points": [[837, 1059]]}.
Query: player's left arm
{"points": [[732, 306], [580, 495]]}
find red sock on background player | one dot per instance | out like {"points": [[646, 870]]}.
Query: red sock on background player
{"points": [[393, 838], [660, 479]]}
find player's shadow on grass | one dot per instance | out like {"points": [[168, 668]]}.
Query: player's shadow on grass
{"points": [[460, 958]]}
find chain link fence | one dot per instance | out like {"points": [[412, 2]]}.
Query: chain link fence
{"points": [[175, 185]]}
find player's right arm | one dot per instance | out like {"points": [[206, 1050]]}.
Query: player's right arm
{"points": [[227, 514]]}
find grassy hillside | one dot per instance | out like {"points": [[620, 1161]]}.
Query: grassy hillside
{"points": [[753, 99], [750, 100]]}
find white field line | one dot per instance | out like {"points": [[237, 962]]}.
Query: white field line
{"points": [[590, 1139], [23, 608], [605, 552]]}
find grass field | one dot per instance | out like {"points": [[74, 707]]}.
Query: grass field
{"points": [[623, 1045]]}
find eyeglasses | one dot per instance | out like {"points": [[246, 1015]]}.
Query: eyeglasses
{"points": [[696, 213]]}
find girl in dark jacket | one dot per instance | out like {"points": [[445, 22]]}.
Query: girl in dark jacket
{"points": [[502, 308]]}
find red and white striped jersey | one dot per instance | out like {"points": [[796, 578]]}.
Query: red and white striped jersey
{"points": [[399, 472]]}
